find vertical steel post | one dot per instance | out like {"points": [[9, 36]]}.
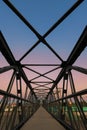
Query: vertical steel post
{"points": [[19, 94]]}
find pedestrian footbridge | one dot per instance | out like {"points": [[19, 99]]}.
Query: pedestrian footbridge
{"points": [[43, 96]]}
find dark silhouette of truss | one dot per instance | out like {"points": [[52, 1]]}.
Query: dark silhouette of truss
{"points": [[25, 106]]}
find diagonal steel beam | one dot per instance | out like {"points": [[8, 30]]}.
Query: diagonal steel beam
{"points": [[31, 28], [59, 21], [6, 52], [79, 47], [52, 50], [40, 75], [38, 84], [79, 69], [6, 68], [36, 44], [77, 50], [2, 92], [53, 27], [22, 18], [46, 73], [42, 38]]}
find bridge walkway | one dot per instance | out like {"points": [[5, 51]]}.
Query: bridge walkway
{"points": [[42, 120]]}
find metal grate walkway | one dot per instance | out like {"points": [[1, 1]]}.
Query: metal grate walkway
{"points": [[42, 120]]}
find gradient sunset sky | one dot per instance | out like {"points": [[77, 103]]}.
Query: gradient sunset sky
{"points": [[42, 14]]}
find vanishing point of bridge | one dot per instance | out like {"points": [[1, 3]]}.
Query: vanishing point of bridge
{"points": [[42, 104]]}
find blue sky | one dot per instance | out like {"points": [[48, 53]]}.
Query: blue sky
{"points": [[42, 15]]}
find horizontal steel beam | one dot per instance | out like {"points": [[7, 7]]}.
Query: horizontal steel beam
{"points": [[41, 65], [41, 86], [42, 89], [41, 82]]}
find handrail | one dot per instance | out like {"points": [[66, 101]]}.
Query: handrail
{"points": [[72, 95]]}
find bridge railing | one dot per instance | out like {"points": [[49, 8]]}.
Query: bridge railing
{"points": [[71, 111], [14, 111]]}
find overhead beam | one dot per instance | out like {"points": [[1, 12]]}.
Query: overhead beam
{"points": [[40, 65], [42, 38], [41, 86], [53, 27], [40, 89], [41, 82], [40, 75]]}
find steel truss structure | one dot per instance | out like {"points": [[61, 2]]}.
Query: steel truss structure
{"points": [[16, 109]]}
